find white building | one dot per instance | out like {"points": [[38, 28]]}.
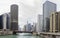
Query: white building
{"points": [[4, 21], [39, 24]]}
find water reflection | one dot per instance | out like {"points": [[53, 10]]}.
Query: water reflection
{"points": [[8, 36], [27, 35], [20, 35]]}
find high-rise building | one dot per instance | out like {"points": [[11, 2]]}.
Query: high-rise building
{"points": [[48, 7], [55, 22], [34, 27], [6, 22], [1, 21], [24, 27], [28, 27], [14, 17], [39, 23]]}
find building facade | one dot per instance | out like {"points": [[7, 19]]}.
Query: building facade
{"points": [[1, 21], [39, 23], [55, 22], [28, 27], [14, 17], [24, 27], [48, 7], [34, 28], [6, 21]]}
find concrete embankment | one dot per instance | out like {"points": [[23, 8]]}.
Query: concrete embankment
{"points": [[50, 35], [6, 32]]}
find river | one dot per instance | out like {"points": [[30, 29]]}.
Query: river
{"points": [[20, 35]]}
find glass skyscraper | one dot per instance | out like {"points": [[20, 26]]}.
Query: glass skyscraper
{"points": [[48, 7], [14, 17]]}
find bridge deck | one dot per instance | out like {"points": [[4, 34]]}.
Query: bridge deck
{"points": [[23, 32]]}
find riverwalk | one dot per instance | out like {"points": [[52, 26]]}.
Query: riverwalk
{"points": [[50, 35], [6, 32]]}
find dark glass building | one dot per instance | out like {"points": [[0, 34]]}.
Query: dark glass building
{"points": [[1, 22], [48, 7], [4, 21], [14, 17], [8, 22]]}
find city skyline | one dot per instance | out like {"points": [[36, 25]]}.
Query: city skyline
{"points": [[24, 16]]}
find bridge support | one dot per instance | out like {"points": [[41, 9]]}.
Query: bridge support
{"points": [[14, 32]]}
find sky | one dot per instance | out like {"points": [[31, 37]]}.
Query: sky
{"points": [[28, 9]]}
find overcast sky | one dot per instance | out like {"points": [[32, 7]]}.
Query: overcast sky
{"points": [[28, 9]]}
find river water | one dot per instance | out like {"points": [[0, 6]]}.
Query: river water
{"points": [[20, 35]]}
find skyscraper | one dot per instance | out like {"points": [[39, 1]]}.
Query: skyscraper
{"points": [[48, 7], [39, 24], [34, 27], [28, 27], [14, 17], [6, 22], [1, 21]]}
